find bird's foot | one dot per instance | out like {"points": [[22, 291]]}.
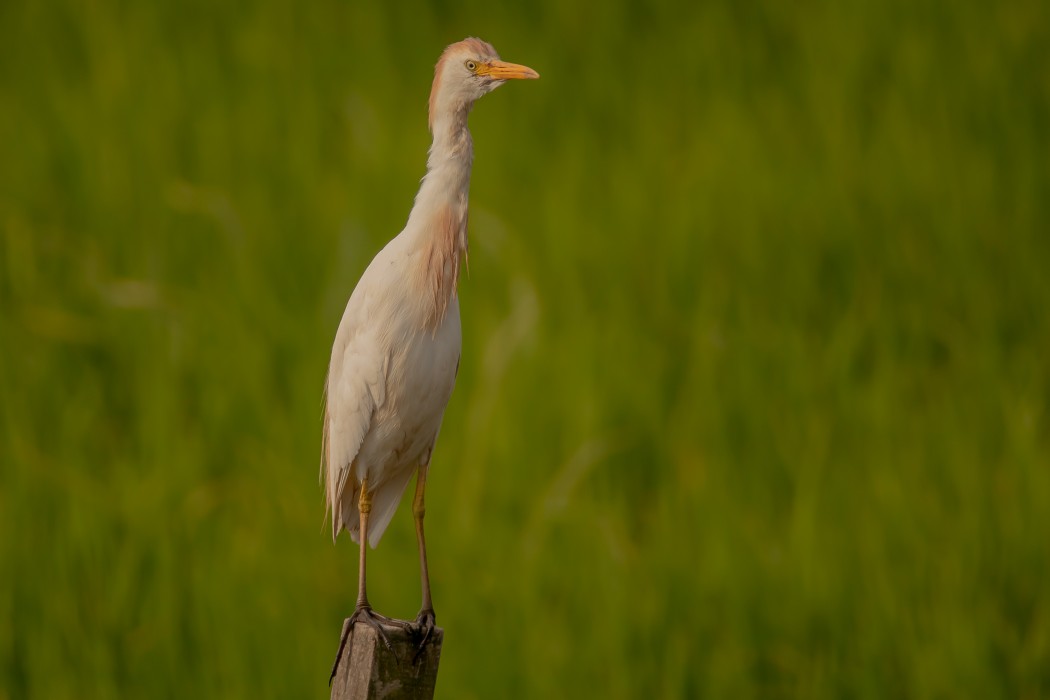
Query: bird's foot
{"points": [[403, 624], [421, 629], [364, 614], [424, 623]]}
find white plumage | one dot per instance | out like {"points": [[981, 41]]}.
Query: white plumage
{"points": [[396, 353], [388, 384]]}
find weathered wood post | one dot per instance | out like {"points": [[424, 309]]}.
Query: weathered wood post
{"points": [[367, 669]]}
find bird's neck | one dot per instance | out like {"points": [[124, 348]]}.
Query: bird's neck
{"points": [[449, 128], [439, 217]]}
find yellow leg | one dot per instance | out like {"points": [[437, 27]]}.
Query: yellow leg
{"points": [[364, 505], [362, 611], [426, 614]]}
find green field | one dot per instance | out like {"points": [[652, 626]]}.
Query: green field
{"points": [[755, 391]]}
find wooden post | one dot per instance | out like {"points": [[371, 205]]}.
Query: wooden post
{"points": [[368, 670]]}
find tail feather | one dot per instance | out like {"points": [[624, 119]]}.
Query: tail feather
{"points": [[384, 505]]}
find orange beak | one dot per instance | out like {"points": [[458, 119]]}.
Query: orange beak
{"points": [[501, 70]]}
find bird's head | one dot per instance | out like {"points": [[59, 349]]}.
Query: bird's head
{"points": [[467, 70]]}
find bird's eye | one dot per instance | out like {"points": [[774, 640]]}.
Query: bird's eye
{"points": [[472, 66]]}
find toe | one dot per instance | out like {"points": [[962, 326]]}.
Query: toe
{"points": [[425, 619]]}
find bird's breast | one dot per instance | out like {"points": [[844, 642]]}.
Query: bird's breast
{"points": [[438, 239]]}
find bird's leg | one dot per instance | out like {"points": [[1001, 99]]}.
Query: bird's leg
{"points": [[425, 619], [364, 507], [362, 610]]}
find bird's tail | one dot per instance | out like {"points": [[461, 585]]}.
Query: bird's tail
{"points": [[384, 505]]}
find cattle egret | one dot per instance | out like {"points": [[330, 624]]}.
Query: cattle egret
{"points": [[396, 353]]}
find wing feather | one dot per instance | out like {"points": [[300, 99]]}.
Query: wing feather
{"points": [[355, 388]]}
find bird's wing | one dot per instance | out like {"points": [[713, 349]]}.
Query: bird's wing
{"points": [[356, 387]]}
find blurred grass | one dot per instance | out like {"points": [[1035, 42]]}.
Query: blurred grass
{"points": [[755, 399]]}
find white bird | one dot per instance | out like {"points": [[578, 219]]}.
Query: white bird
{"points": [[396, 353]]}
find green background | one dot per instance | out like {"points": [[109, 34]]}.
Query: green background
{"points": [[755, 392]]}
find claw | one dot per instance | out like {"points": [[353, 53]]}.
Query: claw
{"points": [[423, 627], [372, 619], [347, 626]]}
